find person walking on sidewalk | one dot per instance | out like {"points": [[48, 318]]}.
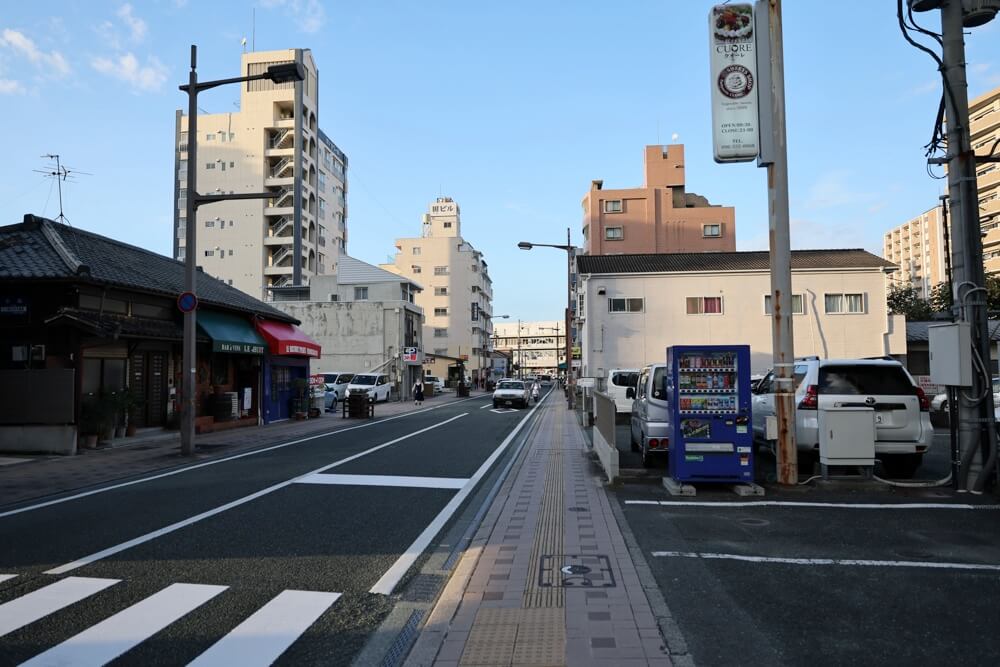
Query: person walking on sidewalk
{"points": [[535, 391], [418, 392]]}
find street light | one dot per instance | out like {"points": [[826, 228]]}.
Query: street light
{"points": [[281, 73], [570, 250]]}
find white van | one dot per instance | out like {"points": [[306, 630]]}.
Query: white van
{"points": [[376, 385], [336, 387], [649, 428], [619, 380]]}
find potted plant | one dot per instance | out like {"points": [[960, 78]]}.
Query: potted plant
{"points": [[107, 409], [131, 403], [300, 398], [90, 422]]}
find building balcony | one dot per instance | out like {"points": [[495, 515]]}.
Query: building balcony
{"points": [[278, 270], [282, 182]]}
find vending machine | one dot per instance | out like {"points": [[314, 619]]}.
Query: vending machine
{"points": [[708, 388]]}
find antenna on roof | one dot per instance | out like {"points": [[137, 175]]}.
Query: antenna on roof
{"points": [[61, 174]]}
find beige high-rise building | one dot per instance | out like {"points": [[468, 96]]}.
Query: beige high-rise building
{"points": [[273, 143], [457, 295], [917, 246], [984, 123]]}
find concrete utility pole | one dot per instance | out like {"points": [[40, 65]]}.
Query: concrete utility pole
{"points": [[976, 428], [781, 260]]}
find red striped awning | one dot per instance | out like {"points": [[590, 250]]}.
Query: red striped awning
{"points": [[286, 339]]}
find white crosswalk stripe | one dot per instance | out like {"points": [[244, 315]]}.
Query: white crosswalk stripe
{"points": [[107, 640], [48, 600], [264, 636]]}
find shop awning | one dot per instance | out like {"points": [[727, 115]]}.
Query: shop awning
{"points": [[230, 333], [287, 339]]}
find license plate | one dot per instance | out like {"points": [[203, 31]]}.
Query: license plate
{"points": [[507, 402]]}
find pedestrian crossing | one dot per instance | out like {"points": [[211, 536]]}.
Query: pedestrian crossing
{"points": [[259, 639]]}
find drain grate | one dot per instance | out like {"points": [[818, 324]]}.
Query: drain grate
{"points": [[423, 588], [394, 656]]}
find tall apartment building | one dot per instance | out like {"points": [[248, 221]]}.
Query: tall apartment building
{"points": [[984, 125], [917, 246], [659, 217], [457, 294], [273, 143], [536, 347]]}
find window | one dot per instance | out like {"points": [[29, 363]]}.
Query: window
{"points": [[439, 350], [441, 312], [230, 253], [440, 270], [440, 291], [415, 268], [415, 250], [613, 206], [704, 305], [209, 253], [360, 293], [209, 165], [837, 304], [711, 231], [334, 297], [210, 223], [625, 305], [614, 233], [798, 304], [210, 137], [440, 333], [447, 225]]}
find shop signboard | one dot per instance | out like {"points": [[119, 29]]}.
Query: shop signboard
{"points": [[733, 69], [411, 356]]}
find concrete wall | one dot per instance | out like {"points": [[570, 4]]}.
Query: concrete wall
{"points": [[631, 340], [38, 439]]}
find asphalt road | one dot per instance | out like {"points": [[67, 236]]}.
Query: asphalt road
{"points": [[163, 571], [862, 574]]}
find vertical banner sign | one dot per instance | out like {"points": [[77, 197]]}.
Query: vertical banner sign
{"points": [[734, 83]]}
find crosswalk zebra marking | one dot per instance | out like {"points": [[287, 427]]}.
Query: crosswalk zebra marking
{"points": [[105, 641], [265, 635], [40, 603]]}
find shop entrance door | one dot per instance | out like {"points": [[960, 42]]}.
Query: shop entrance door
{"points": [[281, 392], [149, 380]]}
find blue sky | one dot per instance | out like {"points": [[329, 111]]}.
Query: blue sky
{"points": [[511, 108]]}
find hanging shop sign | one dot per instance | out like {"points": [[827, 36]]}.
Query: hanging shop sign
{"points": [[733, 69]]}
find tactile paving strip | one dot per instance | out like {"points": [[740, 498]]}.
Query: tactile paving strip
{"points": [[549, 531]]}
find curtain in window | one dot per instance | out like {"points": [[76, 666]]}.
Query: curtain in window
{"points": [[713, 304], [834, 303], [855, 303]]}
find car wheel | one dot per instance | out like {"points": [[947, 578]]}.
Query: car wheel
{"points": [[901, 466], [495, 406], [647, 458]]}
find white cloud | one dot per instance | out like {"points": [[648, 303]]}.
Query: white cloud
{"points": [[11, 87], [25, 47], [308, 14], [125, 67], [135, 24]]}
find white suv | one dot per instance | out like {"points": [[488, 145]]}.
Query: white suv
{"points": [[903, 430], [376, 385]]}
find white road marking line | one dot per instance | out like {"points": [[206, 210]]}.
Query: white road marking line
{"points": [[40, 603], [265, 635], [386, 480], [86, 560], [5, 577], [827, 561], [388, 581], [790, 503], [483, 407], [102, 643], [213, 462]]}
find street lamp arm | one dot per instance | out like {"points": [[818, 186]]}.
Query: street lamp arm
{"points": [[524, 245]]}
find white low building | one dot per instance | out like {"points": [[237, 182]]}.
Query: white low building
{"points": [[632, 307], [366, 320]]}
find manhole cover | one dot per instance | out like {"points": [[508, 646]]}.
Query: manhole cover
{"points": [[575, 571]]}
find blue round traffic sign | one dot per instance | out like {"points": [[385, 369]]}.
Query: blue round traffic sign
{"points": [[187, 302]]}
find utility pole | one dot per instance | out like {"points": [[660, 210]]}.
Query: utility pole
{"points": [[188, 365], [976, 427], [781, 258]]}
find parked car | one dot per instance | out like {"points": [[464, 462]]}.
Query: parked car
{"points": [[336, 387], [649, 427], [939, 405], [512, 392], [619, 380], [435, 382], [903, 431], [376, 385]]}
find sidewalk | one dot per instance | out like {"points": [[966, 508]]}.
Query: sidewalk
{"points": [[39, 476], [548, 579]]}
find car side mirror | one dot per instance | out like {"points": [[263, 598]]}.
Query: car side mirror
{"points": [[630, 392]]}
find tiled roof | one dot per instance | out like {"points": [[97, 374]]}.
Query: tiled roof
{"points": [[351, 270], [109, 324], [756, 260], [42, 249], [916, 332]]}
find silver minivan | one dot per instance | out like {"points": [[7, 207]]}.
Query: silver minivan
{"points": [[336, 387], [649, 426]]}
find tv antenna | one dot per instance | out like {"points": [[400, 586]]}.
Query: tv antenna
{"points": [[61, 174]]}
